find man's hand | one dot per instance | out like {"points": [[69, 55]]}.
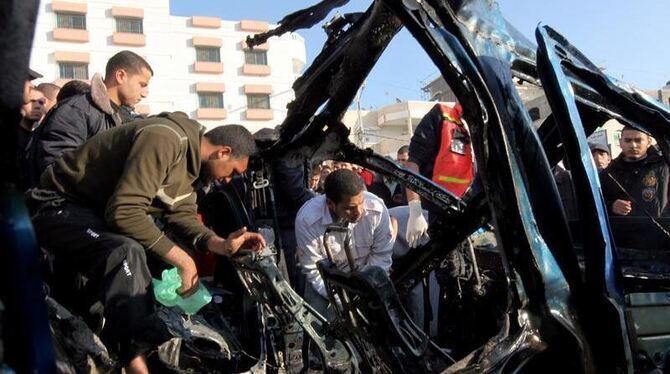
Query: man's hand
{"points": [[247, 240], [235, 241], [189, 278], [416, 224], [622, 207], [186, 267]]}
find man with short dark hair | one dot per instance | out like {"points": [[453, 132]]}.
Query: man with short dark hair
{"points": [[636, 183], [130, 190], [345, 201], [32, 112], [108, 104]]}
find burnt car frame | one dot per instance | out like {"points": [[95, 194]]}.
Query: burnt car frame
{"points": [[570, 303]]}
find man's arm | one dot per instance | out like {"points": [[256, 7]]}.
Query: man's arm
{"points": [[411, 195], [425, 144], [423, 148], [382, 243], [310, 252]]}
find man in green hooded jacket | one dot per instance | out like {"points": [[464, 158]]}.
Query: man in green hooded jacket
{"points": [[129, 190]]}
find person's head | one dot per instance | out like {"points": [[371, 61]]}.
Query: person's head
{"points": [[634, 144], [72, 88], [601, 155], [127, 77], [50, 92], [315, 178], [341, 165], [403, 154], [28, 86], [34, 110], [325, 171], [344, 195], [225, 152]]}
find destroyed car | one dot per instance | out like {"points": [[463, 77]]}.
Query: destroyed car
{"points": [[568, 295]]}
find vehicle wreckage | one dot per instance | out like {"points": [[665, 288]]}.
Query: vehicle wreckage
{"points": [[560, 294]]}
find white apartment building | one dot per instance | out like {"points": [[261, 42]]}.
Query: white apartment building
{"points": [[201, 63]]}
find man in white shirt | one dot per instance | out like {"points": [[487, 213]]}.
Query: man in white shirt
{"points": [[345, 200]]}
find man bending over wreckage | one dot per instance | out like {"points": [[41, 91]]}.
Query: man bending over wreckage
{"points": [[345, 202], [98, 205]]}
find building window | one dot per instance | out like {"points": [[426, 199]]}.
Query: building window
{"points": [[129, 25], [72, 70], [258, 101], [208, 54], [255, 57], [71, 21], [210, 99]]}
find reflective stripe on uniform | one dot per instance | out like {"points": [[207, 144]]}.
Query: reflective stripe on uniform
{"points": [[448, 179]]}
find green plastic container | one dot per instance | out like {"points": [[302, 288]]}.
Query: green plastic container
{"points": [[165, 291]]}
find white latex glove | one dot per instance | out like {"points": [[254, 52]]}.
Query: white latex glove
{"points": [[416, 224]]}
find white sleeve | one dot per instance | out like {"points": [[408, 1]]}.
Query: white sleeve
{"points": [[310, 251], [382, 245]]}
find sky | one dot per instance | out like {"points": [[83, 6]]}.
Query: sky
{"points": [[627, 38]]}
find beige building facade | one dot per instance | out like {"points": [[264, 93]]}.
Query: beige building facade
{"points": [[202, 64]]}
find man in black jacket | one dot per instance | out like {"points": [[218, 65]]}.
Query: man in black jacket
{"points": [[636, 182], [73, 121]]}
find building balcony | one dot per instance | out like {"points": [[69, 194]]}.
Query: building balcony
{"points": [[206, 22], [211, 113], [210, 87], [257, 89], [258, 70], [118, 11], [259, 114], [70, 35], [131, 39], [208, 67], [201, 41], [68, 7], [254, 26], [65, 56]]}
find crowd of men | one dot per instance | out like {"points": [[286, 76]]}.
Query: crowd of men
{"points": [[111, 191]]}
